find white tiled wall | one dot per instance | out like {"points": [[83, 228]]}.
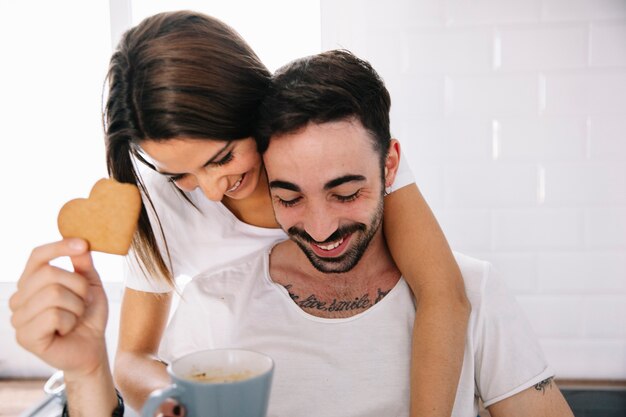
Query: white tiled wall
{"points": [[513, 116]]}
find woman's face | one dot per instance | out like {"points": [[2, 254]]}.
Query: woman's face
{"points": [[220, 168]]}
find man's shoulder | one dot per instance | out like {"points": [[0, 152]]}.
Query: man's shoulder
{"points": [[477, 274]]}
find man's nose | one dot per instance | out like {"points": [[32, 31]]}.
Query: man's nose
{"points": [[320, 222]]}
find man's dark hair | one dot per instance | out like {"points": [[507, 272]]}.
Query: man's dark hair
{"points": [[330, 86]]}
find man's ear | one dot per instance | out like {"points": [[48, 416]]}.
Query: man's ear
{"points": [[392, 162]]}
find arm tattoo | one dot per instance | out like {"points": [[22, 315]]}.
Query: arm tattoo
{"points": [[541, 386]]}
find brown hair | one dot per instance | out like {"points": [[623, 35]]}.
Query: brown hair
{"points": [[176, 74], [326, 87]]}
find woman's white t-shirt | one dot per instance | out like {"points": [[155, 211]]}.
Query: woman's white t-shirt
{"points": [[205, 237]]}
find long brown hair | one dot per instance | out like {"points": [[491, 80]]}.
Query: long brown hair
{"points": [[176, 74]]}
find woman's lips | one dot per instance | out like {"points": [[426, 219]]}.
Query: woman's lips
{"points": [[237, 184]]}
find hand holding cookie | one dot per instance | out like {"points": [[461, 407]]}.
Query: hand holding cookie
{"points": [[107, 219]]}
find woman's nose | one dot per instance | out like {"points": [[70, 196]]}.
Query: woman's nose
{"points": [[213, 187]]}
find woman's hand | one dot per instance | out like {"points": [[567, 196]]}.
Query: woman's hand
{"points": [[59, 315], [171, 408]]}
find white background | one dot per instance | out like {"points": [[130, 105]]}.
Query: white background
{"points": [[512, 114]]}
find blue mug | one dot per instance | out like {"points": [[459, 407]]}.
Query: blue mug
{"points": [[218, 383]]}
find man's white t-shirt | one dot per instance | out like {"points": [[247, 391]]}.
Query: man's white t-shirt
{"points": [[356, 366], [205, 237]]}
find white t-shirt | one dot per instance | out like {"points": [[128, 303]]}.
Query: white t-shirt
{"points": [[205, 238], [356, 366]]}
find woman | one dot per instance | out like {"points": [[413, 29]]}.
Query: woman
{"points": [[184, 90]]}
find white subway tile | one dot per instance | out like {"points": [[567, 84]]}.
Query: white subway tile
{"points": [[467, 230], [544, 47], [417, 96], [605, 316], [517, 269], [455, 139], [537, 229], [582, 272], [467, 139], [564, 313], [586, 359], [583, 9], [605, 227], [451, 50], [543, 139], [420, 138], [490, 185], [608, 44], [429, 179], [586, 93], [368, 14], [608, 137], [497, 95], [489, 11], [588, 184]]}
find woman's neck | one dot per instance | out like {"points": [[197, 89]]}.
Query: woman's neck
{"points": [[256, 209]]}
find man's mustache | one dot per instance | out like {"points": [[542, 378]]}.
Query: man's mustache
{"points": [[337, 234]]}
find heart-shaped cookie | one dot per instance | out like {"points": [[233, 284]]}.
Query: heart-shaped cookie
{"points": [[107, 219]]}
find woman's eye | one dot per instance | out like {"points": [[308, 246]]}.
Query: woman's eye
{"points": [[348, 198], [226, 159], [174, 179], [288, 203]]}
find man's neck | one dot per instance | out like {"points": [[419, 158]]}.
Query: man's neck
{"points": [[335, 295]]}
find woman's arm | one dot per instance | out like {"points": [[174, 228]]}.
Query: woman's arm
{"points": [[137, 370], [421, 251]]}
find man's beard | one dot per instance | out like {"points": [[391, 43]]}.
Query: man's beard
{"points": [[352, 255]]}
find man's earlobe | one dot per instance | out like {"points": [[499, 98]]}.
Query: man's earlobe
{"points": [[392, 162]]}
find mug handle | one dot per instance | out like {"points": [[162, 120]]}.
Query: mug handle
{"points": [[156, 398]]}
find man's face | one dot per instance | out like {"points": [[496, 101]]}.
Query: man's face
{"points": [[327, 191]]}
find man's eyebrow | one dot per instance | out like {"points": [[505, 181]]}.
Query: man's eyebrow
{"points": [[213, 158], [342, 180], [284, 184]]}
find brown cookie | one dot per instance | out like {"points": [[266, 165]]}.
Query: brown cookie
{"points": [[107, 219]]}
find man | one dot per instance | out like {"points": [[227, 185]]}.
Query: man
{"points": [[329, 305]]}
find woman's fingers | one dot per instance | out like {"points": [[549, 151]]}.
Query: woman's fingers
{"points": [[43, 254], [171, 408], [39, 333], [83, 265], [53, 296], [47, 275]]}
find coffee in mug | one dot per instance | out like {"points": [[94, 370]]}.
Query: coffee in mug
{"points": [[218, 383]]}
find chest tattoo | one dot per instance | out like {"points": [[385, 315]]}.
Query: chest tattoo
{"points": [[312, 302]]}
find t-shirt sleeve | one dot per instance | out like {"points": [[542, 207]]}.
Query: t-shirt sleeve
{"points": [[404, 176], [136, 279], [508, 356]]}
